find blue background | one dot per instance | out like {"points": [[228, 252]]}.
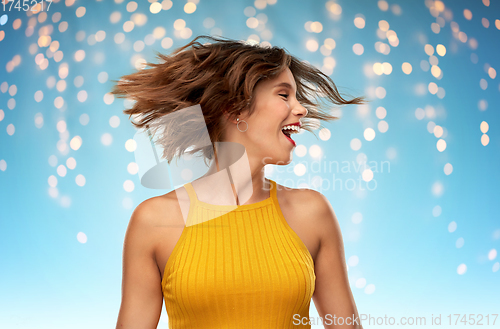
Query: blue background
{"points": [[407, 255]]}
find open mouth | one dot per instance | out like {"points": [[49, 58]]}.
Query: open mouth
{"points": [[288, 131]]}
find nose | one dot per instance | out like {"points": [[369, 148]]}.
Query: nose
{"points": [[299, 110]]}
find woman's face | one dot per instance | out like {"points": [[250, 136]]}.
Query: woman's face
{"points": [[275, 105]]}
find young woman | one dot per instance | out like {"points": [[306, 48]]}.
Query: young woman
{"points": [[234, 261]]}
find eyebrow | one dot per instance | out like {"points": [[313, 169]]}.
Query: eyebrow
{"points": [[284, 84]]}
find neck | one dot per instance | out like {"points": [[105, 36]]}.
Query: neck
{"points": [[234, 177]]}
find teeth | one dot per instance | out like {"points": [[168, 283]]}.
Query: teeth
{"points": [[291, 129]]}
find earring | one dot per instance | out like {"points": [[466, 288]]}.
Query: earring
{"points": [[240, 121]]}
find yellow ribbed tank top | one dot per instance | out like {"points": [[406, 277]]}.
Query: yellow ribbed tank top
{"points": [[244, 267]]}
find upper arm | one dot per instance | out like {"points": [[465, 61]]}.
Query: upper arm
{"points": [[142, 297], [332, 293]]}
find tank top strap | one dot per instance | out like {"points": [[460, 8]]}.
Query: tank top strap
{"points": [[273, 192], [192, 194]]}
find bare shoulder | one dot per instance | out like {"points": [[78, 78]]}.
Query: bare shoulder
{"points": [[310, 204], [158, 210], [305, 200]]}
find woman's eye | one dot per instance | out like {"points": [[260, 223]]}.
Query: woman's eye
{"points": [[284, 95]]}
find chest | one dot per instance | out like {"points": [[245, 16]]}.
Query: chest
{"points": [[295, 217]]}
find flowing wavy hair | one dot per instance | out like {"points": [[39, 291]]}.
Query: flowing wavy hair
{"points": [[220, 75]]}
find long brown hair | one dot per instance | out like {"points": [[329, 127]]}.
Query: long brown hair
{"points": [[220, 76]]}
